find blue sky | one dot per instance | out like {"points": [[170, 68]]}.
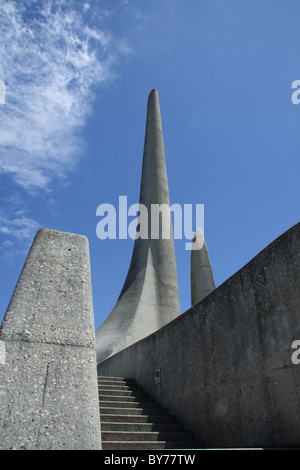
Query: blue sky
{"points": [[77, 76]]}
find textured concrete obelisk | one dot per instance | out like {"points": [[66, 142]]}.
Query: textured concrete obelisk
{"points": [[48, 372], [202, 278], [149, 298]]}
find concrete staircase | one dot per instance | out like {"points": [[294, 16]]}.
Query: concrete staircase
{"points": [[131, 420]]}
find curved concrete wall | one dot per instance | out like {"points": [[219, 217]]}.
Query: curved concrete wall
{"points": [[226, 368]]}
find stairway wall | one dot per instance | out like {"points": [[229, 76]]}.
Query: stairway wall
{"points": [[225, 365]]}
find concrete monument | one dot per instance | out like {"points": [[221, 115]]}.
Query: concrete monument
{"points": [[226, 367], [149, 298], [202, 278], [48, 381]]}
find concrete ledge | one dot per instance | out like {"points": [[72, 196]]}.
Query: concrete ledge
{"points": [[48, 378], [226, 369]]}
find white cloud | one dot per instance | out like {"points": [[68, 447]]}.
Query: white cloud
{"points": [[50, 61], [18, 232], [22, 228]]}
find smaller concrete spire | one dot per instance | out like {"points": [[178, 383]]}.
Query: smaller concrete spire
{"points": [[202, 278]]}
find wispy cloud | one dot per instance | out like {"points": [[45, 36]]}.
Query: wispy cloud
{"points": [[18, 232], [21, 228], [17, 229], [51, 61]]}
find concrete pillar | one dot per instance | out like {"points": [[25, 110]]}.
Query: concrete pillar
{"points": [[202, 278], [149, 298], [48, 376]]}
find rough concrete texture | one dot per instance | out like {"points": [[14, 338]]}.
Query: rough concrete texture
{"points": [[202, 278], [150, 297], [48, 380], [226, 368]]}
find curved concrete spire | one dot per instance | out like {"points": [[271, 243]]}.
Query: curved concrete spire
{"points": [[149, 298], [202, 278]]}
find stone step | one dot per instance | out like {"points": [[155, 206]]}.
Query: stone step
{"points": [[141, 427], [138, 418], [116, 386], [118, 436], [131, 420], [108, 410], [150, 445], [121, 393], [116, 381], [128, 404], [125, 398]]}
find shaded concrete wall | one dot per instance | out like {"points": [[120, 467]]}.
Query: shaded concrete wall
{"points": [[226, 368], [48, 378]]}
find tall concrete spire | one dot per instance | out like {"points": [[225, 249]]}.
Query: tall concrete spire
{"points": [[149, 298], [202, 278]]}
